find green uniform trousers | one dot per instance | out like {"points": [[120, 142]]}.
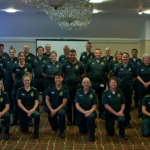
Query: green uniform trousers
{"points": [[86, 123], [135, 88], [99, 91], [23, 120], [145, 129], [6, 118], [9, 87], [72, 92], [61, 121], [142, 93], [127, 91], [109, 123]]}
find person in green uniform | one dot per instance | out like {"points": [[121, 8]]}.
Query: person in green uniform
{"points": [[18, 71], [65, 57], [137, 62], [28, 56], [37, 66], [57, 96], [85, 56], [114, 103], [126, 74], [143, 76], [3, 56], [73, 72], [116, 60], [97, 70], [107, 58], [4, 111], [145, 129], [8, 65], [28, 101], [86, 103], [48, 49]]}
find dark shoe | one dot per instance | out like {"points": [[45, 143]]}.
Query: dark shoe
{"points": [[36, 135], [123, 137], [75, 123], [136, 105], [69, 123], [42, 104], [102, 116], [30, 124], [128, 125], [6, 135], [13, 123], [91, 137], [139, 116], [62, 134], [45, 109], [95, 126]]}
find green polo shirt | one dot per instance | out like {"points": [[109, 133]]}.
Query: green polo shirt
{"points": [[144, 72], [19, 72], [49, 69], [146, 103], [57, 96], [29, 58], [8, 64], [27, 98], [97, 70], [125, 75], [136, 63], [37, 65], [3, 100], [4, 55], [47, 55], [107, 60], [86, 101], [84, 57], [62, 58], [113, 100], [112, 66], [72, 72]]}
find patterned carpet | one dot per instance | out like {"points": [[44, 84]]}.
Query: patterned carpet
{"points": [[49, 140]]}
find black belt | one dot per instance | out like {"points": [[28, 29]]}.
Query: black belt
{"points": [[9, 73], [50, 78], [72, 83], [97, 80], [39, 77]]}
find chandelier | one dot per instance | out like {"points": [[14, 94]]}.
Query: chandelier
{"points": [[69, 14]]}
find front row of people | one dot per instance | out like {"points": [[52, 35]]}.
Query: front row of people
{"points": [[86, 102]]}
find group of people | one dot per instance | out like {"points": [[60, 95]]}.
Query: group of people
{"points": [[74, 88]]}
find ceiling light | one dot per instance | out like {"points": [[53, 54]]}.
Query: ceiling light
{"points": [[96, 1], [11, 10], [146, 12], [140, 12]]}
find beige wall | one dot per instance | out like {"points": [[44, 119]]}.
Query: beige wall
{"points": [[124, 46]]}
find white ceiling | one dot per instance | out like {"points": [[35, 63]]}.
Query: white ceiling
{"points": [[118, 19]]}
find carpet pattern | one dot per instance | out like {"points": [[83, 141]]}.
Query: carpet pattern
{"points": [[50, 140]]}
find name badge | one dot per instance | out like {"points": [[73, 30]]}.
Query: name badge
{"points": [[83, 56], [109, 95], [142, 69], [8, 62], [121, 68], [17, 69], [52, 92], [148, 102], [22, 94], [62, 58], [68, 66], [93, 63], [101, 85], [49, 66], [80, 95]]}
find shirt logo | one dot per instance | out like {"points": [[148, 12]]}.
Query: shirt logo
{"points": [[76, 66], [4, 57], [29, 57], [32, 94], [57, 66], [44, 61], [91, 57], [91, 95], [15, 62], [1, 99], [61, 93], [25, 70], [102, 63], [129, 69], [118, 95]]}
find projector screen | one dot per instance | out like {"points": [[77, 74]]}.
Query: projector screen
{"points": [[58, 45]]}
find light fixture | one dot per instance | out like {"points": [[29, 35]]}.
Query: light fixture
{"points": [[146, 12], [11, 10], [95, 11], [140, 12], [96, 1]]}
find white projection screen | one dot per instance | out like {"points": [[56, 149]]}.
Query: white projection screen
{"points": [[57, 45]]}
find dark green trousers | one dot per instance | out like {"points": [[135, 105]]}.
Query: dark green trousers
{"points": [[72, 92], [109, 123], [23, 120], [8, 88], [127, 91], [142, 93], [6, 118], [99, 91], [135, 88], [60, 123], [86, 123], [146, 127]]}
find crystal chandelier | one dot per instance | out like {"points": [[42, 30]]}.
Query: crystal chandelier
{"points": [[69, 14]]}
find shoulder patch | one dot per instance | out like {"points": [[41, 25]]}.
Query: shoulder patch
{"points": [[147, 96], [105, 91], [20, 88], [65, 87], [79, 89], [132, 64], [5, 92], [119, 89], [34, 88], [92, 90]]}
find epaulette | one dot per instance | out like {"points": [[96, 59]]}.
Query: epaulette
{"points": [[80, 62], [147, 96], [20, 88], [118, 89], [132, 64], [105, 91], [52, 85], [31, 54], [65, 60], [34, 88], [92, 90], [79, 89], [5, 92], [65, 86]]}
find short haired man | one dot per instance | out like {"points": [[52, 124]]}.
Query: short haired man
{"points": [[65, 57], [48, 49], [107, 58]]}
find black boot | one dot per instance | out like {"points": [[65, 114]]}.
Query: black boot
{"points": [[36, 134], [14, 123], [91, 137], [6, 135], [62, 134]]}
